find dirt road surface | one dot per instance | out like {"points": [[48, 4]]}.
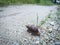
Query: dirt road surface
{"points": [[13, 19]]}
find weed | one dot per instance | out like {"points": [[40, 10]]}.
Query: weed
{"points": [[46, 18], [42, 22], [37, 19]]}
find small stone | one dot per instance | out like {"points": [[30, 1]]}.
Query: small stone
{"points": [[52, 23], [37, 42], [46, 37], [55, 27], [44, 43], [50, 30], [25, 39], [51, 41], [59, 28], [57, 43], [15, 43], [52, 34]]}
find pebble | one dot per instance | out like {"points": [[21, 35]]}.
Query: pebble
{"points": [[37, 42], [52, 23], [15, 43], [57, 43], [55, 27], [50, 30], [25, 39]]}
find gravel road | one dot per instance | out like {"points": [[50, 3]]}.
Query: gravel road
{"points": [[13, 19]]}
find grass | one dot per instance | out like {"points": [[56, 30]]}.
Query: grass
{"points": [[37, 20], [46, 18], [58, 12], [46, 2], [41, 2]]}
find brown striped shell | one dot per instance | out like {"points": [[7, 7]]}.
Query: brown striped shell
{"points": [[32, 28]]}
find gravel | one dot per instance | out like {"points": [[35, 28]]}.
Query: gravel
{"points": [[13, 19]]}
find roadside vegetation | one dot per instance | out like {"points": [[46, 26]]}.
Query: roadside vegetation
{"points": [[40, 2], [46, 18], [58, 15]]}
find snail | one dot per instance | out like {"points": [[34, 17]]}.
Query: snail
{"points": [[33, 29]]}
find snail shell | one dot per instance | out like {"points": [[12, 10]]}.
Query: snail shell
{"points": [[32, 28]]}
